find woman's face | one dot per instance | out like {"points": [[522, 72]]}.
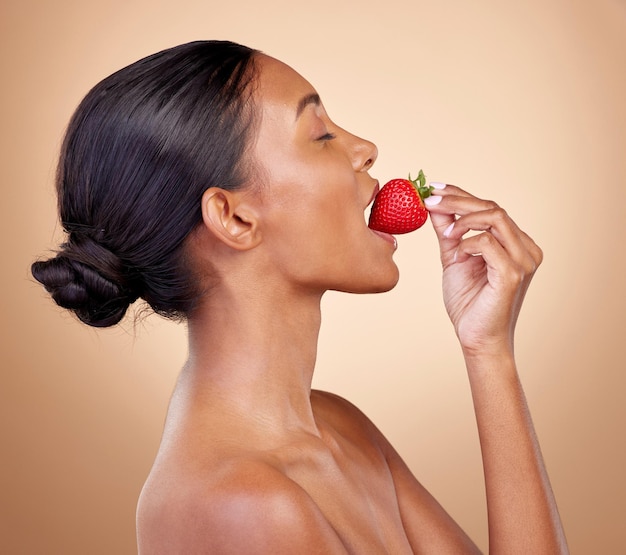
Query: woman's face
{"points": [[314, 190]]}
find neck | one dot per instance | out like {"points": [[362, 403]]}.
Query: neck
{"points": [[252, 355]]}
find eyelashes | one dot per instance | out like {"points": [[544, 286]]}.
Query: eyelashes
{"points": [[327, 137]]}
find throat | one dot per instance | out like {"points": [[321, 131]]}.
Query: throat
{"points": [[254, 359]]}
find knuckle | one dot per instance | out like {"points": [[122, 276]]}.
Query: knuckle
{"points": [[492, 205], [538, 256], [525, 270], [500, 216], [518, 275], [485, 239]]}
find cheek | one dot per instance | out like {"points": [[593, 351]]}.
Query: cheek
{"points": [[305, 198], [307, 235], [312, 200]]}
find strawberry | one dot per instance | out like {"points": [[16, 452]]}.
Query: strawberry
{"points": [[399, 207]]}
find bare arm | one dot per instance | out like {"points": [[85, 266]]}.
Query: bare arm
{"points": [[485, 279], [522, 511]]}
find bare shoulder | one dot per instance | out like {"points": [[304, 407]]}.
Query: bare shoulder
{"points": [[246, 506], [428, 526], [335, 403], [347, 417]]}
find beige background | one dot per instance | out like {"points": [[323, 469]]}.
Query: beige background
{"points": [[522, 102]]}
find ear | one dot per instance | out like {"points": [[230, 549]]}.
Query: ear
{"points": [[230, 219]]}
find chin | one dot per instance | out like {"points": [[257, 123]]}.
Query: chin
{"points": [[374, 283], [387, 286]]}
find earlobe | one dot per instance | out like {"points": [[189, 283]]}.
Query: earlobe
{"points": [[229, 219]]}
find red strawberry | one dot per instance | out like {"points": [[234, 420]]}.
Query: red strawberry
{"points": [[399, 207]]}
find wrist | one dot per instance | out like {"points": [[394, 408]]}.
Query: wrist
{"points": [[493, 348], [497, 357]]}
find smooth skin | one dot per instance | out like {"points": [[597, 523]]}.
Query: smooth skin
{"points": [[252, 460]]}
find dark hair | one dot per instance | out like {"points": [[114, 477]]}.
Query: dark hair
{"points": [[139, 152]]}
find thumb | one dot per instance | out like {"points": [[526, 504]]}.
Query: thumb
{"points": [[441, 222], [440, 218]]}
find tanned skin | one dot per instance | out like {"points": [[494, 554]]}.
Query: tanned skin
{"points": [[252, 460]]}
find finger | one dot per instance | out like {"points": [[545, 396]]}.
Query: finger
{"points": [[535, 251], [447, 189], [444, 204], [441, 201], [518, 245], [475, 214], [494, 220], [502, 272], [501, 269], [506, 280], [447, 247], [483, 215], [447, 202], [440, 222], [456, 201]]}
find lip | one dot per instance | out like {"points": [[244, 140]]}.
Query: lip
{"points": [[374, 193], [387, 237]]}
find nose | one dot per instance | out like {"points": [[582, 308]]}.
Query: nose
{"points": [[364, 154]]}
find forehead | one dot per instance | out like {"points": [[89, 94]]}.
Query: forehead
{"points": [[279, 85]]}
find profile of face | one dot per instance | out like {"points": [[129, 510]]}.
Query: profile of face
{"points": [[242, 124], [313, 189]]}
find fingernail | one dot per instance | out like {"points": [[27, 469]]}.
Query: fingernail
{"points": [[432, 200], [448, 230], [437, 185]]}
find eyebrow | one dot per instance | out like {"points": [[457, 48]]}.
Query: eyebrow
{"points": [[312, 98]]}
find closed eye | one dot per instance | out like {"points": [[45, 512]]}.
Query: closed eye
{"points": [[327, 137]]}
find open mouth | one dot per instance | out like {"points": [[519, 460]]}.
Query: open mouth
{"points": [[368, 208]]}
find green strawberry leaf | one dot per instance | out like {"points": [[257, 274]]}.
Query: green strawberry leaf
{"points": [[420, 184]]}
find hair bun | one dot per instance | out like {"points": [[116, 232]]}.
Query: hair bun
{"points": [[77, 280]]}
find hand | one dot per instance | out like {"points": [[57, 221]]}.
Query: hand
{"points": [[486, 275]]}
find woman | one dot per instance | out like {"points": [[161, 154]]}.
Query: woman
{"points": [[209, 181]]}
